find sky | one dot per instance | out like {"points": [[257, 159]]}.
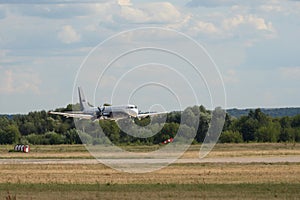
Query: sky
{"points": [[254, 46]]}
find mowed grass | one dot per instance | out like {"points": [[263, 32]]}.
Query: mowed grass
{"points": [[230, 173], [177, 181], [247, 149], [152, 191], [220, 150], [47, 151]]}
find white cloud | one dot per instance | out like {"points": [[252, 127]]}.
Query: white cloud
{"points": [[271, 8], [163, 11], [133, 15], [199, 28], [210, 3], [124, 2], [249, 28], [160, 12], [233, 22], [19, 81], [232, 27], [57, 11], [185, 20], [257, 22], [290, 72], [230, 3], [206, 27], [68, 35]]}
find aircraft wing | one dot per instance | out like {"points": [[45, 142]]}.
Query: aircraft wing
{"points": [[73, 114], [143, 115]]}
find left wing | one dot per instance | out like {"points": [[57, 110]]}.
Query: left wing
{"points": [[73, 114]]}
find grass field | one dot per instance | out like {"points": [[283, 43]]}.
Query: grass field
{"points": [[177, 181], [154, 191], [220, 150]]}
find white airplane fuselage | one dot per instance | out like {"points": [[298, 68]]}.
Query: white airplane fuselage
{"points": [[114, 111]]}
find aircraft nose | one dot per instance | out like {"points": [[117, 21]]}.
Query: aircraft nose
{"points": [[134, 112]]}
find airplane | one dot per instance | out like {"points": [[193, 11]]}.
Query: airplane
{"points": [[105, 112]]}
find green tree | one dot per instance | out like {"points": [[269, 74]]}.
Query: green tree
{"points": [[228, 122], [216, 125], [203, 126], [27, 128], [268, 133], [9, 132], [285, 122], [111, 130], [54, 138], [168, 131], [261, 117], [297, 134], [287, 135], [189, 118], [72, 137], [247, 127], [185, 134], [12, 133], [36, 139], [143, 122], [296, 121], [174, 117], [85, 138], [230, 136]]}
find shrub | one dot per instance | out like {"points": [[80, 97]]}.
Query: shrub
{"points": [[230, 137]]}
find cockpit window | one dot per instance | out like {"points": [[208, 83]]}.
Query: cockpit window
{"points": [[131, 107]]}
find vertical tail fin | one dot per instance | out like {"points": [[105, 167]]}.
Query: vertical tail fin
{"points": [[83, 102]]}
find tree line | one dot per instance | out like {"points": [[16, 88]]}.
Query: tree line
{"points": [[42, 128]]}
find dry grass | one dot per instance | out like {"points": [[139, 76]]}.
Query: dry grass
{"points": [[174, 174], [177, 173], [47, 151], [247, 149], [220, 150], [177, 181], [44, 155]]}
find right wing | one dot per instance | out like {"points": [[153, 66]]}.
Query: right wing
{"points": [[73, 114], [143, 115]]}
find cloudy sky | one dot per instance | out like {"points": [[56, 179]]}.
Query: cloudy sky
{"points": [[255, 45]]}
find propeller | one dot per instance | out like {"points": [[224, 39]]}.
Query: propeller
{"points": [[100, 112]]}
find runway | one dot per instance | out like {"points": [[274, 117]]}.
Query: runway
{"points": [[241, 160]]}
